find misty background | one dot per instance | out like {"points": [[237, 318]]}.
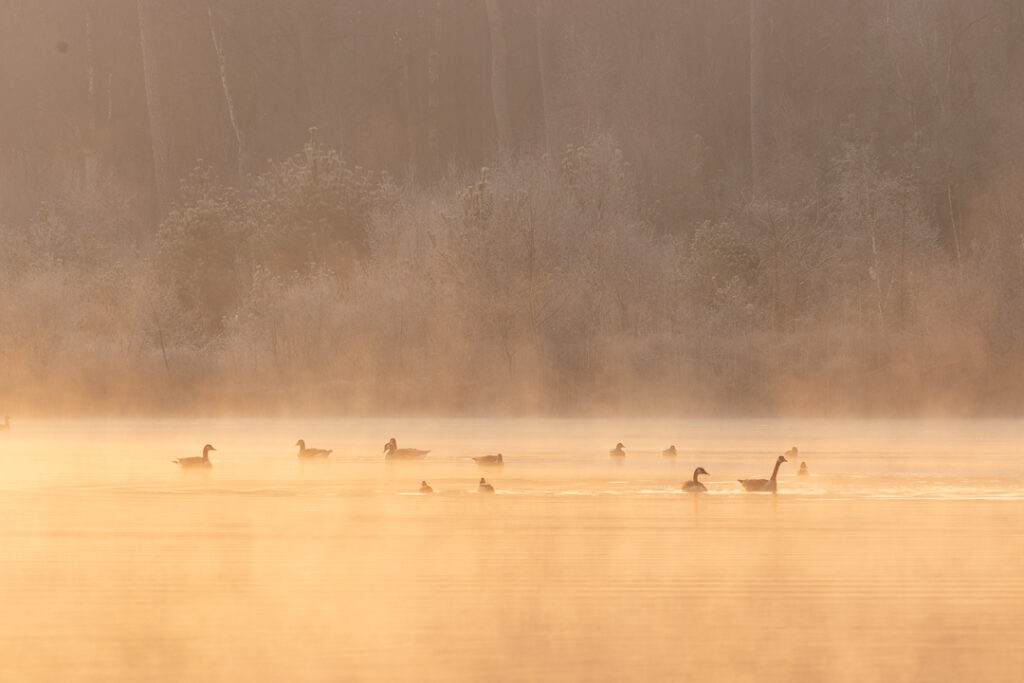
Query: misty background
{"points": [[757, 206]]}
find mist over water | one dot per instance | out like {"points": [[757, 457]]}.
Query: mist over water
{"points": [[899, 558], [523, 226]]}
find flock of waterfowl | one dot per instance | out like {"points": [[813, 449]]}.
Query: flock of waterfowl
{"points": [[393, 452]]}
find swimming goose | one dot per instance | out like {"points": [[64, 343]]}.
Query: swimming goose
{"points": [[393, 452], [489, 460], [764, 484], [197, 462], [485, 487], [670, 452], [6, 425], [694, 486], [618, 452], [425, 487], [311, 452], [803, 470]]}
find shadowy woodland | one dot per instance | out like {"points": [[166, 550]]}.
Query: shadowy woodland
{"points": [[757, 206]]}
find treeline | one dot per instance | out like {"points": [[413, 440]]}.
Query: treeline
{"points": [[756, 206]]}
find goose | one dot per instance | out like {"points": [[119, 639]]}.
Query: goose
{"points": [[618, 452], [6, 425], [485, 487], [803, 470], [489, 460], [393, 452], [196, 462], [694, 486], [311, 452], [670, 452], [764, 484], [425, 487]]}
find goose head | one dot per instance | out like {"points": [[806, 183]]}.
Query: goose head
{"points": [[700, 470], [206, 450], [792, 452], [781, 460], [619, 446], [301, 444], [391, 445], [482, 481]]}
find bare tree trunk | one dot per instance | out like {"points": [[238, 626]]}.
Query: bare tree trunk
{"points": [[543, 19], [757, 84], [410, 100], [434, 89], [499, 66], [89, 148], [241, 148], [157, 126]]}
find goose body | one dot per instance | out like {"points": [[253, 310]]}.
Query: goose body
{"points": [[485, 487], [393, 452], [618, 452], [669, 452], [6, 425], [694, 485], [425, 487], [764, 484], [309, 453], [489, 460], [803, 470], [196, 462]]}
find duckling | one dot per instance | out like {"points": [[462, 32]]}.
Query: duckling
{"points": [[311, 452], [764, 484], [669, 452], [694, 486], [618, 452], [425, 487], [485, 487], [803, 470], [489, 460], [196, 462], [393, 452]]}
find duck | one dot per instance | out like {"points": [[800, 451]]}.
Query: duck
{"points": [[803, 470], [670, 452], [426, 488], [764, 484], [311, 452], [7, 424], [485, 487], [618, 452], [489, 460], [393, 452], [195, 463], [694, 486]]}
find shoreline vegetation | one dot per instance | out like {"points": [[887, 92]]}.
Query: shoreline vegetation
{"points": [[536, 287]]}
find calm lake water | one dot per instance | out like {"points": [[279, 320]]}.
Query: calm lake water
{"points": [[900, 559]]}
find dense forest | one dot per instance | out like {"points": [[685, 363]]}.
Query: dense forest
{"points": [[527, 206]]}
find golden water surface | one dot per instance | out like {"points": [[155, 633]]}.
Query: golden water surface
{"points": [[900, 559]]}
